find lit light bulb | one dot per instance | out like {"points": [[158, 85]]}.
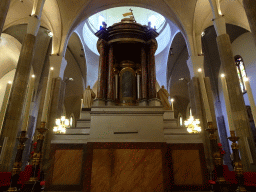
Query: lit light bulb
{"points": [[222, 75], [246, 79], [189, 130], [51, 68], [62, 118], [57, 121], [33, 76], [55, 129], [66, 122], [199, 70]]}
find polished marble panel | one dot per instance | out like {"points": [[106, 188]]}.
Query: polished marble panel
{"points": [[127, 170], [67, 167], [101, 170], [187, 167]]}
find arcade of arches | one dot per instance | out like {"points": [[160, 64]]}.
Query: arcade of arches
{"points": [[129, 140]]}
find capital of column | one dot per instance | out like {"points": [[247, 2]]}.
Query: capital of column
{"points": [[33, 25], [220, 25], [59, 64], [138, 72]]}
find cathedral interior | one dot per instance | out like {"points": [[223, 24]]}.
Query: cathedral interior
{"points": [[131, 96]]}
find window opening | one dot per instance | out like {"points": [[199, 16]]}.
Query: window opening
{"points": [[240, 71]]}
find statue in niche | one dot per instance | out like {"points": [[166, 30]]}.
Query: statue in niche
{"points": [[88, 97], [163, 95]]}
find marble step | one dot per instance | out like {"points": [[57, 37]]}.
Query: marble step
{"points": [[83, 123], [175, 130], [70, 137], [183, 138], [86, 115], [170, 123], [78, 131]]}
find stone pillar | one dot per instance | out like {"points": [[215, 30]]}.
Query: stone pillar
{"points": [[200, 115], [250, 7], [144, 79], [153, 101], [15, 112], [59, 64], [58, 92], [238, 108], [102, 71], [208, 88], [191, 98], [4, 6], [110, 92]]}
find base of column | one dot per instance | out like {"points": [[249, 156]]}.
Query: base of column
{"points": [[154, 102], [143, 102], [110, 102], [98, 102]]}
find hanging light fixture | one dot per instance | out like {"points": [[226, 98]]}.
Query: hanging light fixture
{"points": [[61, 125], [192, 125]]}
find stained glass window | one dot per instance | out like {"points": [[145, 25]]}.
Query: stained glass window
{"points": [[240, 71]]}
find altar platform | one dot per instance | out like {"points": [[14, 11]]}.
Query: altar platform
{"points": [[127, 124]]}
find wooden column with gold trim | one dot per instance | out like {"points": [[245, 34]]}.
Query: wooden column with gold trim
{"points": [[110, 91], [152, 94], [144, 79], [152, 70], [101, 88]]}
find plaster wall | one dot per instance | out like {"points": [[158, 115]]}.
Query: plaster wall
{"points": [[74, 89]]}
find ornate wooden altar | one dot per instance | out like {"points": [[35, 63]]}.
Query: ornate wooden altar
{"points": [[127, 74]]}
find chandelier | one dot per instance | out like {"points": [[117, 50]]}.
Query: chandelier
{"points": [[192, 125], [61, 125]]}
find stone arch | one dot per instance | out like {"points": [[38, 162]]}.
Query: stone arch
{"points": [[177, 58], [50, 18], [178, 74], [161, 8], [75, 69]]}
